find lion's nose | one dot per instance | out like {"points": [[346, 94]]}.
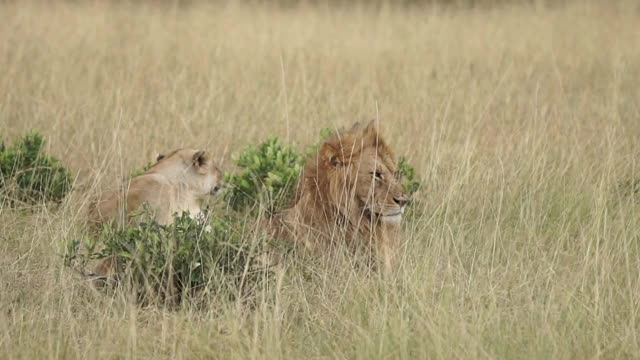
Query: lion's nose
{"points": [[401, 200]]}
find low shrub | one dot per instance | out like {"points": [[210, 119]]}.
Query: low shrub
{"points": [[29, 175], [168, 263], [407, 174], [268, 174]]}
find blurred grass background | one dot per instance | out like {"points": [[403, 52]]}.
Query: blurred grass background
{"points": [[521, 117]]}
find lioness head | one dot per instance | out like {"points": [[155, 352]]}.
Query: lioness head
{"points": [[361, 175], [193, 168]]}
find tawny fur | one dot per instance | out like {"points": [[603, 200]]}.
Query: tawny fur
{"points": [[348, 192], [177, 182]]}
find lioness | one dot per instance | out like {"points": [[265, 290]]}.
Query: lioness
{"points": [[349, 189], [176, 183]]}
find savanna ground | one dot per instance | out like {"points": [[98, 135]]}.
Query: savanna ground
{"points": [[523, 121]]}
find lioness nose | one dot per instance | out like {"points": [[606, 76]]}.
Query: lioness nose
{"points": [[401, 200]]}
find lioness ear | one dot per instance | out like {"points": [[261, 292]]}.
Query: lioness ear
{"points": [[330, 155], [200, 158], [160, 157]]}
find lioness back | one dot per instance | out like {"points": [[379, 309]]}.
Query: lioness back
{"points": [[177, 182]]}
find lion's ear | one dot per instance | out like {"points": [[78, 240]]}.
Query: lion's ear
{"points": [[160, 157], [331, 155], [372, 127], [200, 158], [370, 133]]}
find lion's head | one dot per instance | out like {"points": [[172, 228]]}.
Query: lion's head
{"points": [[191, 168], [354, 177]]}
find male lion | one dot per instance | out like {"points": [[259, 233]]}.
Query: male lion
{"points": [[351, 190], [176, 183]]}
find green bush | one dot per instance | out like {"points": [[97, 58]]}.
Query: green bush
{"points": [[407, 174], [170, 262], [29, 175], [270, 171], [268, 174]]}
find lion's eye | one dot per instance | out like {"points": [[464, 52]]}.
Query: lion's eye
{"points": [[377, 174]]}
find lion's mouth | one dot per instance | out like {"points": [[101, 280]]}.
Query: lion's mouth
{"points": [[390, 217]]}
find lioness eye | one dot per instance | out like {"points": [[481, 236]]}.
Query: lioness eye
{"points": [[377, 174]]}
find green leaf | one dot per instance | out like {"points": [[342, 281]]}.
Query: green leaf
{"points": [[37, 176]]}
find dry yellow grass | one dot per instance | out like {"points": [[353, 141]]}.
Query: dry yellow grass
{"points": [[524, 122]]}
